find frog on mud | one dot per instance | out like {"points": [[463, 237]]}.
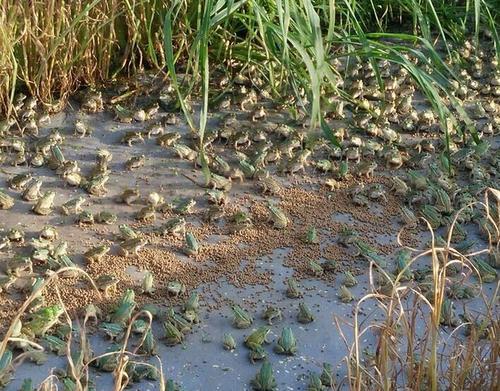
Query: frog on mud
{"points": [[175, 226], [191, 248], [146, 214], [257, 338], [105, 217], [95, 254], [264, 380], [131, 247], [84, 218], [272, 313], [277, 217], [129, 196], [292, 290], [345, 295], [73, 206], [44, 205], [107, 283], [172, 335], [287, 344], [304, 315], [125, 232], [241, 319], [228, 342], [42, 320], [176, 288]]}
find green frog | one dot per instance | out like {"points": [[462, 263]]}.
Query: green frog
{"points": [[292, 290], [176, 288], [131, 247], [129, 196], [95, 254], [125, 232], [84, 218], [304, 315], [96, 185], [191, 247], [264, 380], [403, 259], [147, 285], [287, 344], [257, 338], [135, 162], [172, 335], [107, 283], [6, 201], [315, 383], [228, 342], [241, 318], [176, 226], [20, 181], [327, 375], [42, 320], [147, 214], [345, 294], [277, 217]]}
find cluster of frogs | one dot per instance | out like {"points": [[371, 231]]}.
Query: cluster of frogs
{"points": [[374, 132]]}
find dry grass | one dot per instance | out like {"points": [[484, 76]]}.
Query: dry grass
{"points": [[412, 348]]}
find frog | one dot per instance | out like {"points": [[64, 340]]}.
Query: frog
{"points": [[460, 292], [132, 137], [304, 315], [315, 269], [292, 290], [42, 321], [191, 247], [37, 159], [377, 192], [92, 102], [97, 185], [49, 233], [192, 303], [129, 196], [366, 168], [147, 285], [315, 383], [168, 139], [345, 294], [241, 318], [178, 321], [403, 258], [259, 114], [264, 380], [131, 247], [123, 114], [485, 271], [407, 216], [442, 200], [172, 335], [126, 233], [184, 152], [95, 254], [107, 283], [147, 214], [114, 331], [84, 218], [135, 162], [257, 337], [228, 342], [73, 206], [360, 199], [184, 206], [16, 235], [45, 203], [139, 115], [327, 377], [216, 197], [448, 317], [55, 344], [399, 186], [32, 191], [213, 213], [81, 129], [18, 266], [176, 288], [149, 343], [20, 181], [257, 354], [219, 182], [286, 344], [277, 217], [105, 217], [349, 280], [432, 215], [269, 185], [175, 226], [272, 313], [311, 236]]}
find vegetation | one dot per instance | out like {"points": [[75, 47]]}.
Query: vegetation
{"points": [[295, 52]]}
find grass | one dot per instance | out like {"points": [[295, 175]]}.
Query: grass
{"points": [[425, 357], [51, 48]]}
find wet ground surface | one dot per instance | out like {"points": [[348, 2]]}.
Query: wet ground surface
{"points": [[201, 363]]}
